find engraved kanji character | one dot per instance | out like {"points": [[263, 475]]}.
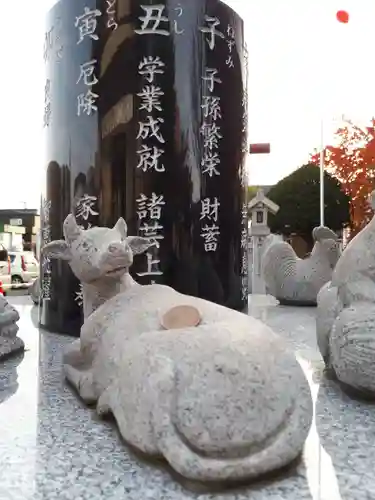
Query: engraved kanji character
{"points": [[211, 30], [151, 21], [210, 235], [151, 128], [86, 73], [151, 263], [150, 231], [210, 210], [149, 159], [87, 23], [142, 206], [150, 96], [211, 134], [209, 163], [211, 78], [85, 207], [86, 103], [151, 66], [155, 205], [244, 238], [211, 107], [46, 287]]}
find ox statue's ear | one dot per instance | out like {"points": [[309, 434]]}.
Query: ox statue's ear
{"points": [[121, 227], [58, 249], [139, 245], [71, 229]]}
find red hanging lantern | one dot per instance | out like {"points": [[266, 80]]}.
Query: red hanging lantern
{"points": [[342, 16]]}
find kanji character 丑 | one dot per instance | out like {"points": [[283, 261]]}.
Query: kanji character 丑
{"points": [[151, 20]]}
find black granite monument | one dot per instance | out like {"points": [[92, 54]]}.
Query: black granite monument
{"points": [[145, 118]]}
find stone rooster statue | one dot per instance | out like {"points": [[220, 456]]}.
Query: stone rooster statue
{"points": [[296, 281]]}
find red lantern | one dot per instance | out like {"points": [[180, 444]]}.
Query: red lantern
{"points": [[342, 16]]}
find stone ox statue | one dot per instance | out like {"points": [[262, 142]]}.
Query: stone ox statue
{"points": [[223, 401], [297, 281], [346, 315]]}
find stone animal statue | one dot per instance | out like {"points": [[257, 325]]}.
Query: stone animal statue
{"points": [[223, 401], [268, 240], [9, 342], [346, 315], [297, 281]]}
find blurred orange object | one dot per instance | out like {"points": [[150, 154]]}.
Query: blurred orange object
{"points": [[1, 288]]}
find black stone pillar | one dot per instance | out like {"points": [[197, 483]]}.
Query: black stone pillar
{"points": [[145, 118]]}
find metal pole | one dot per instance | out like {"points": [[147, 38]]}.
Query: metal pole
{"points": [[322, 172]]}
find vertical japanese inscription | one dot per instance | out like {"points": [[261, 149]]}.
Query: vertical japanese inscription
{"points": [[47, 103], [231, 43], [245, 102], [153, 21], [211, 135], [85, 211], [244, 253], [53, 43], [149, 211], [86, 25], [111, 14], [45, 288]]}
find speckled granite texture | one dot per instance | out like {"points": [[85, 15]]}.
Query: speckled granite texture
{"points": [[224, 401], [52, 447]]}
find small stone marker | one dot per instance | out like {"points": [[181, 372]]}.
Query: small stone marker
{"points": [[181, 317]]}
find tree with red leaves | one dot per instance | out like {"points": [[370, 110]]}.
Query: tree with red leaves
{"points": [[352, 161]]}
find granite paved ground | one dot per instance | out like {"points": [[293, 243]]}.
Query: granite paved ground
{"points": [[52, 447]]}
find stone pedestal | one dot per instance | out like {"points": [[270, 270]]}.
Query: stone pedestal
{"points": [[145, 118]]}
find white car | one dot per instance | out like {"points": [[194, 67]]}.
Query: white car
{"points": [[24, 268], [5, 268]]}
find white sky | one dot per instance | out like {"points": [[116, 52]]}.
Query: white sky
{"points": [[303, 65]]}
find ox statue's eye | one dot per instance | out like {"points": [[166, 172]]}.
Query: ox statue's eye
{"points": [[85, 245]]}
